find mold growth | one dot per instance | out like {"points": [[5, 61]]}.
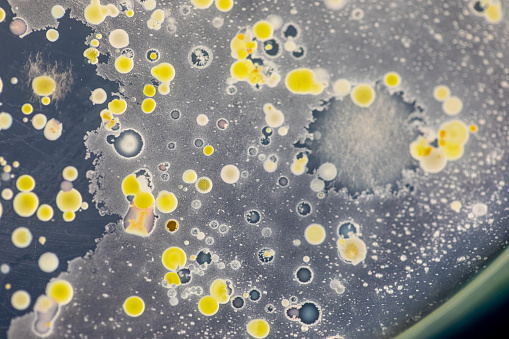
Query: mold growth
{"points": [[368, 145], [48, 79]]}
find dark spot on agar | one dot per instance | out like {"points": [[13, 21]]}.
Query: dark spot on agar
{"points": [[304, 275], [175, 114], [271, 47], [184, 275], [303, 208], [345, 229], [266, 255], [252, 216], [198, 142], [267, 131], [254, 295], [204, 257], [172, 225], [309, 313], [222, 124], [299, 52], [290, 31], [282, 181], [238, 302]]}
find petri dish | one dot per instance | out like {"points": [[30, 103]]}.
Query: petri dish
{"points": [[351, 182]]}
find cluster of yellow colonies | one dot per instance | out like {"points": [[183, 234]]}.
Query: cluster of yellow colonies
{"points": [[351, 250], [173, 259], [220, 293], [115, 107], [26, 202], [59, 292], [69, 202], [242, 46], [452, 136], [95, 14], [143, 201], [303, 81], [221, 5], [164, 73]]}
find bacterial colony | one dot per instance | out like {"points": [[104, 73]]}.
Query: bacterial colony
{"points": [[281, 169]]}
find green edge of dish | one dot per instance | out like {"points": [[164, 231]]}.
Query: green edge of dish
{"points": [[486, 289]]}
